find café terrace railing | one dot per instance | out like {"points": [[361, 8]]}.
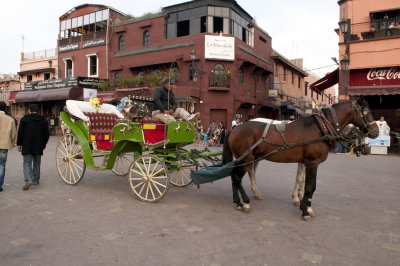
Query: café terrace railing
{"points": [[376, 29]]}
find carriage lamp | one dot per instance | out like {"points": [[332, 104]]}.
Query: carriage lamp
{"points": [[344, 63], [193, 67]]}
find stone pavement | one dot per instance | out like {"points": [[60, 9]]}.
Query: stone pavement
{"points": [[99, 222]]}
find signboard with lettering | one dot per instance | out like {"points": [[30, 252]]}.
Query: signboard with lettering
{"points": [[95, 42], [81, 82], [68, 47], [375, 77], [219, 47]]}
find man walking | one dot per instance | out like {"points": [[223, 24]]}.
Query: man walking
{"points": [[33, 134], [8, 133]]}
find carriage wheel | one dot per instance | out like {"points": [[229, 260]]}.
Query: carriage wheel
{"points": [[69, 159], [122, 164], [181, 176], [148, 177]]}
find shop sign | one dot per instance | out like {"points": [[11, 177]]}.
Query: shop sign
{"points": [[219, 47], [375, 77], [95, 42], [68, 47], [82, 82]]}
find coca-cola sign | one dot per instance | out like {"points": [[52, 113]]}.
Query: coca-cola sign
{"points": [[375, 76]]}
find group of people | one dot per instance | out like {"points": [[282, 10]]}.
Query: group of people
{"points": [[30, 137], [214, 135]]}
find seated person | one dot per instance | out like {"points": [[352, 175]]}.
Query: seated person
{"points": [[165, 106]]}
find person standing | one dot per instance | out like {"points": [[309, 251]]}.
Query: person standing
{"points": [[211, 129], [33, 135], [222, 133], [8, 133]]}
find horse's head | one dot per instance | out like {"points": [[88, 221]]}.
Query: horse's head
{"points": [[362, 118]]}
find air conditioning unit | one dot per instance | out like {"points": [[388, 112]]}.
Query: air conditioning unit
{"points": [[273, 93]]}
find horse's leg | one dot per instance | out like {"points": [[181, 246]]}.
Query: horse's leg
{"points": [[310, 186], [298, 190], [252, 175], [237, 176]]}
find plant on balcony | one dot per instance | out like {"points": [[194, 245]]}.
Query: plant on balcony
{"points": [[138, 80], [104, 85], [155, 78], [173, 74]]}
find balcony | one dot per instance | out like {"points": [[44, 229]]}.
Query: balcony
{"points": [[219, 82], [374, 30], [38, 55], [83, 38]]}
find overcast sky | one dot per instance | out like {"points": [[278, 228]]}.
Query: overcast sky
{"points": [[299, 29]]}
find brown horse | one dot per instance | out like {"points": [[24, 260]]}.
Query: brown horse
{"points": [[306, 140]]}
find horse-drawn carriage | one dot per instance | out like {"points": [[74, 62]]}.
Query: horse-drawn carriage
{"points": [[150, 152]]}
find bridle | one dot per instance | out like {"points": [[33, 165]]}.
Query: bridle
{"points": [[362, 114]]}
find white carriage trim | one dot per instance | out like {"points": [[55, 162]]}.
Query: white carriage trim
{"points": [[77, 108]]}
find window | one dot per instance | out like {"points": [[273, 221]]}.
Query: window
{"points": [[219, 69], [218, 24], [299, 81], [146, 38], [68, 68], [241, 75], [28, 78], [46, 76], [262, 39], [183, 28], [292, 77], [92, 65], [121, 43], [284, 74], [117, 76], [203, 26]]}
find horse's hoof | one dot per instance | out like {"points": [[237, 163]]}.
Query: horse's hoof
{"points": [[307, 218], [239, 208], [258, 197], [246, 208], [296, 203], [310, 212]]}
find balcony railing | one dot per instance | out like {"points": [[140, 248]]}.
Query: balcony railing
{"points": [[219, 81], [376, 29], [82, 38], [39, 54]]}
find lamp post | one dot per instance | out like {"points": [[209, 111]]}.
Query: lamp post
{"points": [[193, 69], [344, 63]]}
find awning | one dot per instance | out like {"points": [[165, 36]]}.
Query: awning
{"points": [[328, 81], [11, 99], [49, 95], [376, 90]]}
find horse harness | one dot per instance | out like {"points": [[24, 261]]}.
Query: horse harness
{"points": [[330, 134]]}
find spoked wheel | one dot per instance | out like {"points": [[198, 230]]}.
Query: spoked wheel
{"points": [[69, 159], [181, 176], [148, 177], [122, 164]]}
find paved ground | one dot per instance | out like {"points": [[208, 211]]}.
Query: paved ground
{"points": [[99, 222]]}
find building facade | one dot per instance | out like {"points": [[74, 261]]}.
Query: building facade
{"points": [[369, 51], [222, 58]]}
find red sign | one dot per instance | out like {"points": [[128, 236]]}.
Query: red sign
{"points": [[375, 77]]}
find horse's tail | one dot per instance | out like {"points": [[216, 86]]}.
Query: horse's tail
{"points": [[226, 152]]}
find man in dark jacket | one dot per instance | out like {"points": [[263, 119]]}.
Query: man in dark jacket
{"points": [[165, 106], [33, 135]]}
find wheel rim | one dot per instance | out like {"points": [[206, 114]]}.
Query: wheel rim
{"points": [[122, 164], [148, 178], [181, 176], [69, 159]]}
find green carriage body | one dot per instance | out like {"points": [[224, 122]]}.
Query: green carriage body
{"points": [[151, 166], [128, 137]]}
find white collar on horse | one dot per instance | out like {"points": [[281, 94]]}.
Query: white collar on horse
{"points": [[270, 121]]}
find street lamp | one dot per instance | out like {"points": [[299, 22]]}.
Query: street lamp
{"points": [[193, 67], [344, 25], [344, 63]]}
